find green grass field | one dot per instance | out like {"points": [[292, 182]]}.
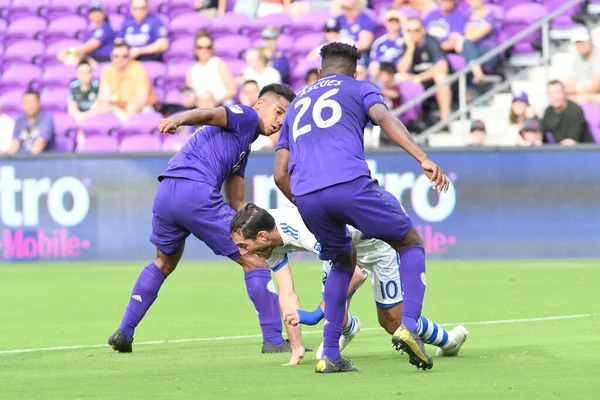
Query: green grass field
{"points": [[535, 357]]}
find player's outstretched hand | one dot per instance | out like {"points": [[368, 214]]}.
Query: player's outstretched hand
{"points": [[436, 175], [168, 125], [297, 356], [291, 317]]}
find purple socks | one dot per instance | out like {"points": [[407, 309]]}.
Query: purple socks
{"points": [[412, 275], [336, 290], [266, 302], [143, 295]]}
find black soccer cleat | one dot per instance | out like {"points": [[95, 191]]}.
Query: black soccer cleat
{"points": [[120, 342], [326, 366], [411, 344], [283, 347]]}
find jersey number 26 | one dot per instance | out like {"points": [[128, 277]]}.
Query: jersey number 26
{"points": [[320, 104]]}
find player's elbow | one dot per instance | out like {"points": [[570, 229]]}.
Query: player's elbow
{"points": [[280, 175]]}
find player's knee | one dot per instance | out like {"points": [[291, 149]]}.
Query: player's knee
{"points": [[389, 319], [167, 262], [250, 261], [346, 260], [441, 77]]}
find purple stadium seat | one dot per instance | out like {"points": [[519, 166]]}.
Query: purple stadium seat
{"points": [[172, 97], [22, 52], [592, 114], [26, 28], [11, 101], [176, 8], [140, 143], [302, 68], [305, 44], [111, 7], [49, 57], [285, 42], [517, 19], [99, 68], [55, 100], [562, 21], [116, 20], [280, 20], [19, 76], [180, 50], [64, 144], [65, 28], [3, 25], [508, 4], [237, 67], [155, 70], [498, 12], [176, 75], [57, 76], [60, 8], [407, 11], [139, 124], [102, 124], [97, 144], [187, 25], [457, 61], [23, 8], [64, 125], [229, 24], [174, 142], [311, 22], [231, 46], [409, 90], [379, 5]]}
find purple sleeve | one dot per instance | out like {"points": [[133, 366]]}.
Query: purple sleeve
{"points": [[240, 116], [490, 18], [459, 22], [370, 95], [46, 127], [283, 141], [19, 126], [241, 172], [99, 34], [374, 56], [367, 24], [124, 26], [158, 30]]}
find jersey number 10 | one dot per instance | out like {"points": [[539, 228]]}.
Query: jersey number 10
{"points": [[322, 102]]}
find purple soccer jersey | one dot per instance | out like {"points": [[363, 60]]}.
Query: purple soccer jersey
{"points": [[491, 39], [362, 23], [330, 114], [143, 34], [385, 49], [106, 36], [441, 26], [213, 153], [43, 127]]}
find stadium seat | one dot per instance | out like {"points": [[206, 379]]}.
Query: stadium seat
{"points": [[176, 75], [187, 25], [21, 52], [173, 142], [284, 43], [410, 90], [519, 18], [71, 27], [61, 8], [279, 20], [457, 61], [140, 143], [56, 76], [142, 123], [3, 25], [26, 28], [11, 101], [64, 144], [231, 46], [97, 144], [236, 67], [304, 45], [311, 22], [55, 101], [99, 68], [180, 50], [229, 24], [156, 70], [19, 76], [172, 97], [48, 58], [175, 8], [103, 124], [20, 9], [64, 125]]}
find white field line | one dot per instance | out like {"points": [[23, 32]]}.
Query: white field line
{"points": [[219, 338]]}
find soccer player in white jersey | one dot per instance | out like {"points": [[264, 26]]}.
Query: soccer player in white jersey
{"points": [[273, 234]]}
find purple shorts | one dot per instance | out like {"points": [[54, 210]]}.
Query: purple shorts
{"points": [[183, 206], [361, 203]]}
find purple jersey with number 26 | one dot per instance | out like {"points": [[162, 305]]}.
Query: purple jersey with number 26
{"points": [[323, 130]]}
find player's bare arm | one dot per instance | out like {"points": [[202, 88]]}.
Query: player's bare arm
{"points": [[199, 116], [281, 174], [234, 192], [397, 132], [288, 302]]}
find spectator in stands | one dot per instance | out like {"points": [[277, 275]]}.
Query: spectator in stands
{"points": [[387, 48], [266, 7], [332, 33], [479, 38], [389, 89], [564, 119], [356, 24], [83, 92], [210, 73], [312, 75], [125, 88], [478, 133], [520, 110], [145, 33], [34, 129], [361, 70], [190, 99], [7, 126], [446, 24], [211, 8], [249, 93], [258, 68], [98, 42], [422, 6], [531, 133], [206, 100], [583, 84], [424, 61], [279, 61]]}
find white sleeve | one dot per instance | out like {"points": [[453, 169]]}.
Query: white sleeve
{"points": [[277, 260]]}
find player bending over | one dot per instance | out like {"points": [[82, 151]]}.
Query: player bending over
{"points": [[188, 200], [273, 234], [320, 166]]}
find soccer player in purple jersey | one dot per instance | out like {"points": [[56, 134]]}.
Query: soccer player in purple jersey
{"points": [[188, 200], [320, 166]]}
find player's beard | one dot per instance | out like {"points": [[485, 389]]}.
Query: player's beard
{"points": [[265, 251]]}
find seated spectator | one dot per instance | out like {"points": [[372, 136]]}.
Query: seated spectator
{"points": [[520, 110], [190, 99], [266, 7], [387, 48], [361, 70], [583, 84], [34, 129], [125, 88], [389, 89], [145, 33], [211, 8], [258, 68], [479, 38], [564, 119], [210, 73], [312, 76], [98, 42], [279, 61], [446, 24], [422, 6], [478, 133], [423, 61], [7, 126], [531, 133], [249, 93], [356, 24], [83, 92], [332, 33]]}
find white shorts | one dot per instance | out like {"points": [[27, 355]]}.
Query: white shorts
{"points": [[382, 263]]}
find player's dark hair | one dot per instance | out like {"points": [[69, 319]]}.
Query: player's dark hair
{"points": [[339, 58], [310, 72], [118, 44], [556, 82], [84, 61], [33, 92], [388, 68], [280, 90], [251, 220], [250, 82]]}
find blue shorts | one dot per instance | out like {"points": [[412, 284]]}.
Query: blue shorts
{"points": [[183, 206], [361, 203]]}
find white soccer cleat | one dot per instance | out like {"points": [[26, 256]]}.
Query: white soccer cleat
{"points": [[344, 339], [459, 337]]}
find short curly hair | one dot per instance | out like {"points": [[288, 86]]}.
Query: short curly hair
{"points": [[278, 89], [340, 56]]}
